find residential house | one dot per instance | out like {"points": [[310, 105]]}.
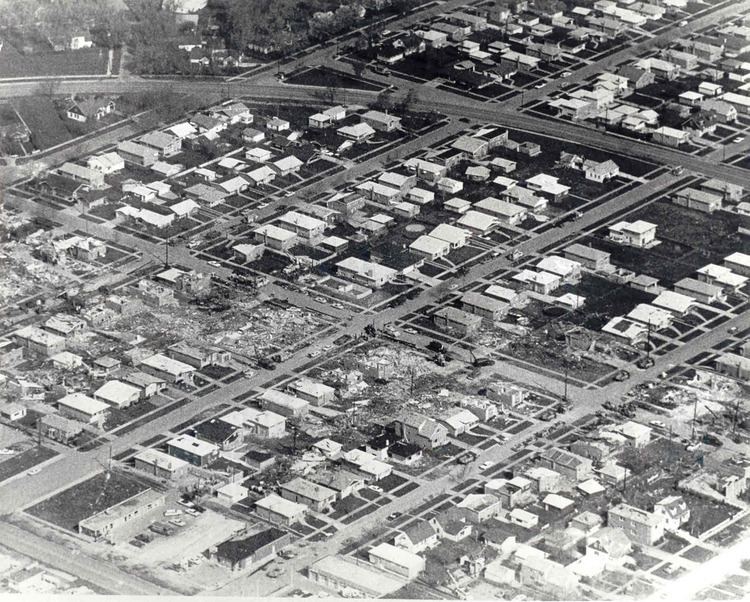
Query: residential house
{"points": [[421, 430], [312, 495], [193, 451], [458, 421], [280, 511], [165, 144], [89, 108], [396, 560], [637, 234], [567, 464], [417, 537], [453, 319], [641, 527], [381, 121]]}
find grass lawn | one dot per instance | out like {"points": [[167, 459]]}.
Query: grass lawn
{"points": [[40, 114], [90, 61], [347, 505], [321, 76], [118, 417], [71, 506], [390, 482], [24, 461]]}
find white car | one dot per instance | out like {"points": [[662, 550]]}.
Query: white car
{"points": [[214, 263], [376, 489], [33, 471], [566, 74], [485, 465], [172, 512], [739, 139]]}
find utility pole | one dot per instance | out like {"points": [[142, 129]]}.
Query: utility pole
{"points": [[166, 252], [565, 390], [695, 415]]}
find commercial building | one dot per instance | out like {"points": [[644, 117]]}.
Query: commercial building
{"points": [[140, 509], [251, 551], [357, 578]]}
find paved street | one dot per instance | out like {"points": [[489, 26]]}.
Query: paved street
{"points": [[105, 575], [72, 466]]}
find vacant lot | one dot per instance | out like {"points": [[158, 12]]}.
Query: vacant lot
{"points": [[24, 461], [69, 507], [91, 61], [320, 76], [40, 114]]}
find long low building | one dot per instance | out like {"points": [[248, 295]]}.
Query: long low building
{"points": [[140, 509], [342, 574]]}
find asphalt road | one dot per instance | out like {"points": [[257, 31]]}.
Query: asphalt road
{"points": [[59, 557], [431, 99], [74, 466]]}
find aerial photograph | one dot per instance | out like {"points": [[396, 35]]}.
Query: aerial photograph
{"points": [[402, 299]]}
